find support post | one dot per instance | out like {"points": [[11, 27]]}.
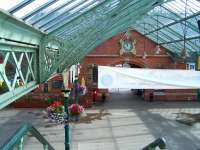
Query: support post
{"points": [[45, 147], [66, 102], [160, 142], [76, 89], [20, 146], [198, 69]]}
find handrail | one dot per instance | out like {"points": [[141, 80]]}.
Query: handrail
{"points": [[160, 142], [17, 138]]}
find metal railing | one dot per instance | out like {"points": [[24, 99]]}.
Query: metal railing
{"points": [[160, 142], [18, 137]]}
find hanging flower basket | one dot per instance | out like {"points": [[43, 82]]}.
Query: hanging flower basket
{"points": [[55, 112], [75, 117], [75, 111]]}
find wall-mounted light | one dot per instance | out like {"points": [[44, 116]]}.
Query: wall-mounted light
{"points": [[144, 55], [158, 50]]}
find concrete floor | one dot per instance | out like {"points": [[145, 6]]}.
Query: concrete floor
{"points": [[124, 122]]}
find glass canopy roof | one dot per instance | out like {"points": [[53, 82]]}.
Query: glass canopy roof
{"points": [[170, 23]]}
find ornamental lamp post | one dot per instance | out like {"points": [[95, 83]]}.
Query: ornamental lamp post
{"points": [[66, 93]]}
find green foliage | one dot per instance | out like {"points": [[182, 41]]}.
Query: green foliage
{"points": [[3, 86], [48, 100], [16, 85], [59, 109]]}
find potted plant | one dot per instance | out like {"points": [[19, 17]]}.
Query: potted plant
{"points": [[75, 111]]}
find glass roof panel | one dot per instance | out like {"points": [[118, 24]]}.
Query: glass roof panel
{"points": [[78, 7], [47, 10], [27, 9], [8, 4], [68, 18], [70, 15], [194, 5], [178, 6], [60, 13]]}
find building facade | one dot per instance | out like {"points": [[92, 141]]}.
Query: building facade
{"points": [[134, 50]]}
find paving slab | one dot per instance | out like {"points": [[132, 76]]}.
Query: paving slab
{"points": [[123, 122]]}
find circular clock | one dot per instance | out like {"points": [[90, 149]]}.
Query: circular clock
{"points": [[127, 46]]}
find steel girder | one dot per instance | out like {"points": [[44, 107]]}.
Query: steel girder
{"points": [[19, 45], [16, 30], [175, 33], [119, 7], [171, 31], [175, 22], [70, 40], [179, 17], [107, 34], [180, 40], [129, 13], [84, 49], [162, 35], [97, 12], [178, 35], [153, 36], [100, 21]]}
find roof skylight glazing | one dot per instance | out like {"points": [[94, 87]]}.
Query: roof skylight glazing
{"points": [[171, 23]]}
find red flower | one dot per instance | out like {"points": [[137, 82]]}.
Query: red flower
{"points": [[75, 109], [56, 104]]}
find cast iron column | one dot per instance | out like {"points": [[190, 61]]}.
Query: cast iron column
{"points": [[66, 102]]}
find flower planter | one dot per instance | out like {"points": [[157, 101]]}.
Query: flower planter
{"points": [[55, 112], [56, 117], [74, 117]]}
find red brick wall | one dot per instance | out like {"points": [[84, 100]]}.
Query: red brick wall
{"points": [[108, 54], [36, 98]]}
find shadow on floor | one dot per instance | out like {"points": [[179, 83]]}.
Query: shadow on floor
{"points": [[93, 116]]}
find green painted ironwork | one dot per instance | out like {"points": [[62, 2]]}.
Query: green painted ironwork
{"points": [[18, 71], [18, 50], [16, 30], [79, 28], [160, 142], [20, 145], [45, 147], [46, 5], [16, 140], [67, 127]]}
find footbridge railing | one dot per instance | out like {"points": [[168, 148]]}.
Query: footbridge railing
{"points": [[17, 139], [160, 142]]}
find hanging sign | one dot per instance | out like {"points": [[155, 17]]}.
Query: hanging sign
{"points": [[138, 78], [198, 62]]}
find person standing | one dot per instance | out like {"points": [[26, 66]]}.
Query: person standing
{"points": [[103, 97], [94, 96], [151, 97]]}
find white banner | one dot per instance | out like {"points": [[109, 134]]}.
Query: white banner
{"points": [[137, 78]]}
